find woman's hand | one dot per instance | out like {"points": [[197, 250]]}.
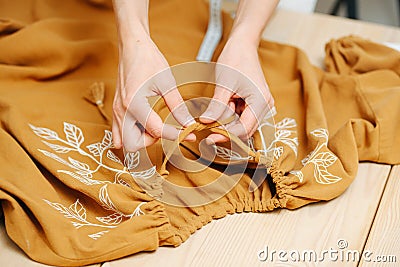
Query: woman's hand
{"points": [[241, 85], [143, 72]]}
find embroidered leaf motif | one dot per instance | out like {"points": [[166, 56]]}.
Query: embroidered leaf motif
{"points": [[78, 165], [323, 176], [58, 148], [97, 235], [105, 199], [61, 208], [113, 157], [95, 149], [113, 219], [264, 123], [54, 156], [144, 174], [78, 224], [321, 133], [298, 174], [322, 160], [85, 173], [325, 159], [123, 182], [80, 178], [73, 134], [292, 143], [78, 210], [44, 133], [282, 134], [75, 211], [107, 140], [132, 160], [286, 123], [138, 211], [306, 159], [82, 172], [226, 153], [278, 152]]}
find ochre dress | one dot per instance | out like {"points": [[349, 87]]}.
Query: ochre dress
{"points": [[66, 195]]}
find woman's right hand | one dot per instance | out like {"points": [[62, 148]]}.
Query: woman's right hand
{"points": [[144, 72]]}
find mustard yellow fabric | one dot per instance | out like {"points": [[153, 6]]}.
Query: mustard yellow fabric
{"points": [[66, 196]]}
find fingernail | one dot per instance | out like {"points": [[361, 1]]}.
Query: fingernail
{"points": [[209, 141], [191, 121], [190, 138], [207, 116]]}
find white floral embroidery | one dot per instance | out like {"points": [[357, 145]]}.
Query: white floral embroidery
{"points": [[144, 174], [97, 235], [76, 212], [306, 159], [322, 160], [123, 182], [82, 172], [228, 154], [286, 123], [284, 137], [285, 130], [138, 211], [105, 199], [113, 157], [278, 152], [298, 174], [132, 160]]}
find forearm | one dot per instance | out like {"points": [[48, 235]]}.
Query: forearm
{"points": [[132, 18], [251, 19]]}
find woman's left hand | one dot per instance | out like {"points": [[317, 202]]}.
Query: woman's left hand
{"points": [[241, 86]]}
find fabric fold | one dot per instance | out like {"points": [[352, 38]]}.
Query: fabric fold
{"points": [[69, 198]]}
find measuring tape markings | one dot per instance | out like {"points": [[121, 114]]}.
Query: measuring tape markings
{"points": [[213, 34]]}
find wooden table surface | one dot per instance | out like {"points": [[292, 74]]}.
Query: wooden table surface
{"points": [[365, 218]]}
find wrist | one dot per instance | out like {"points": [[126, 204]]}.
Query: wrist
{"points": [[132, 18], [248, 39], [133, 32]]}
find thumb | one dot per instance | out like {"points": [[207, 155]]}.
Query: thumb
{"points": [[217, 106]]}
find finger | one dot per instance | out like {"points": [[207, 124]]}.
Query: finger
{"points": [[132, 134], [136, 139], [216, 138], [116, 133], [154, 126], [217, 105], [177, 106], [246, 126], [219, 138], [140, 108]]}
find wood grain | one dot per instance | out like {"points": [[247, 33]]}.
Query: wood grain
{"points": [[385, 233], [312, 32], [237, 239], [168, 256]]}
